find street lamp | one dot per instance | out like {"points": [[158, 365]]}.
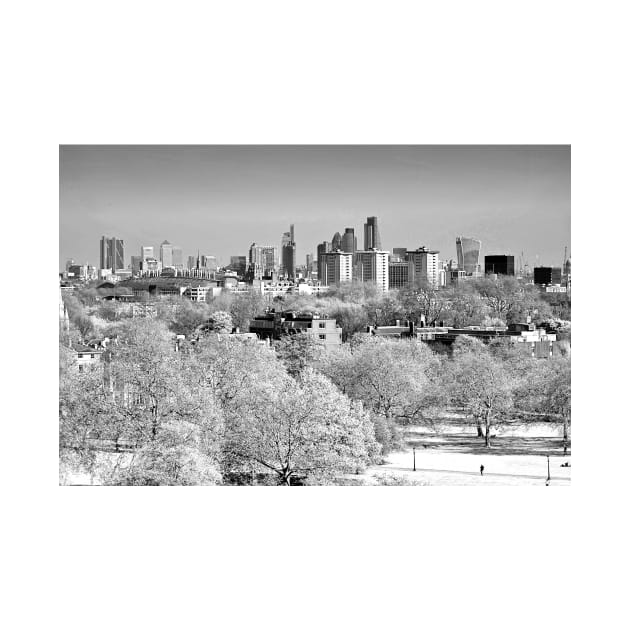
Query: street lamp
{"points": [[414, 459], [548, 470]]}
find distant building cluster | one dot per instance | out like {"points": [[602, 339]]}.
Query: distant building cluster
{"points": [[274, 271]]}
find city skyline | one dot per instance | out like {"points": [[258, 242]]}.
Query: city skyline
{"points": [[221, 199]]}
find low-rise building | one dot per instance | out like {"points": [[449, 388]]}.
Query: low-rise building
{"points": [[274, 325]]}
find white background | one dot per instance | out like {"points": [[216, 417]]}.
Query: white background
{"points": [[319, 72]]}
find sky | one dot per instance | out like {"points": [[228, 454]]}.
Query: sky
{"points": [[221, 199]]}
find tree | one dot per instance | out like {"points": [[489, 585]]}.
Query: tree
{"points": [[306, 430], [299, 351], [481, 384], [549, 391], [423, 299], [391, 378]]}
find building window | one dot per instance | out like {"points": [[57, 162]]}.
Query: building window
{"points": [[322, 324], [92, 356], [322, 336], [80, 355]]}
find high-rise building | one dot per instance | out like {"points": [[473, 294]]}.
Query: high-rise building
{"points": [[547, 275], [349, 241], [263, 260], [500, 264], [373, 266], [289, 253], [468, 254], [209, 262], [423, 266], [398, 274], [335, 244], [146, 251], [371, 235], [337, 268], [166, 254], [178, 257], [322, 250], [192, 262], [238, 264], [112, 253]]}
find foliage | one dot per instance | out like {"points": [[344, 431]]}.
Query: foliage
{"points": [[299, 351], [306, 430]]}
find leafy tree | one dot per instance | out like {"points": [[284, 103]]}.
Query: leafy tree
{"points": [[305, 430], [480, 383], [299, 351]]}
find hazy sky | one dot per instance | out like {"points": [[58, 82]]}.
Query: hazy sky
{"points": [[221, 199]]}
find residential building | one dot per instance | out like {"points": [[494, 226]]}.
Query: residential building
{"points": [[499, 264], [112, 253], [398, 274], [136, 263], [372, 266], [371, 234], [337, 268], [274, 325], [468, 250], [423, 266]]}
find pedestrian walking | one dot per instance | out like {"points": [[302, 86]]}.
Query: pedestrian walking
{"points": [[481, 469]]}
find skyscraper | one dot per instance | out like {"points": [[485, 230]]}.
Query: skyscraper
{"points": [[289, 253], [468, 254], [112, 253], [336, 242], [263, 260], [178, 257], [349, 241], [322, 250], [166, 254], [371, 235]]}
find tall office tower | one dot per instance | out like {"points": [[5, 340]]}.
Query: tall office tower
{"points": [[337, 268], [263, 260], [69, 263], [192, 262], [322, 250], [166, 254], [547, 275], [112, 253], [371, 235], [499, 264], [289, 253], [238, 264], [468, 254], [178, 257], [373, 266], [349, 241], [146, 251], [336, 242], [398, 274], [209, 262], [423, 266]]}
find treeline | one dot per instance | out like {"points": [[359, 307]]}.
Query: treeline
{"points": [[354, 305], [231, 411]]}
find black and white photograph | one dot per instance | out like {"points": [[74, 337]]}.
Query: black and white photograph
{"points": [[313, 364], [315, 315]]}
